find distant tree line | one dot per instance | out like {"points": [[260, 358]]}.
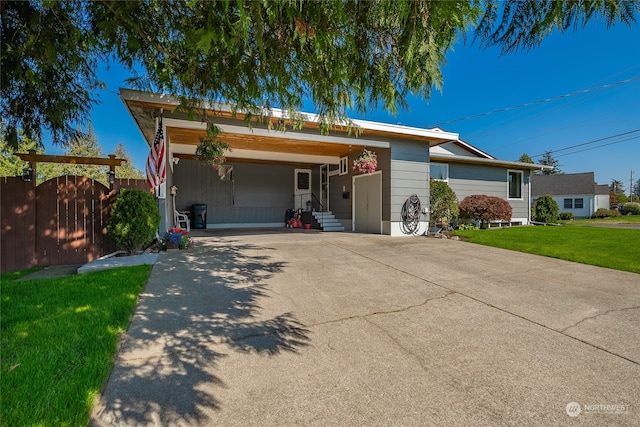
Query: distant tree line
{"points": [[84, 144], [546, 160]]}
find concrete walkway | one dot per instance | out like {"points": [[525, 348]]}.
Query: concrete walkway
{"points": [[308, 328]]}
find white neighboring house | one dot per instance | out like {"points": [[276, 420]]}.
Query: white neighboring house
{"points": [[577, 193], [468, 171]]}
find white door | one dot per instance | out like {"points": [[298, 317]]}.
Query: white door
{"points": [[301, 188], [367, 203]]}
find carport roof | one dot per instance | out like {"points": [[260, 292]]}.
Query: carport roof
{"points": [[258, 143]]}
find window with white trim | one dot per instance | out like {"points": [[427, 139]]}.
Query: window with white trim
{"points": [[514, 183], [344, 165], [439, 171], [578, 203], [568, 203]]}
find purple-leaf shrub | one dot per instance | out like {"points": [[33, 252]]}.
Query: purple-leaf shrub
{"points": [[484, 208]]}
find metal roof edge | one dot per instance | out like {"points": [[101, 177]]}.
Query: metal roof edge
{"points": [[137, 95], [491, 162]]}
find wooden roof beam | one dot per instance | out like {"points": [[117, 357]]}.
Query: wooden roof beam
{"points": [[33, 157]]}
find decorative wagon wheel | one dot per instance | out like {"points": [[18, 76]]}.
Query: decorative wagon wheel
{"points": [[410, 215]]}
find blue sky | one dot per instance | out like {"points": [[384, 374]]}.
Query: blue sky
{"points": [[478, 81]]}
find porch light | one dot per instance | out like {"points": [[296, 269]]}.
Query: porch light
{"points": [[27, 174]]}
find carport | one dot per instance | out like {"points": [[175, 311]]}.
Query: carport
{"points": [[264, 183]]}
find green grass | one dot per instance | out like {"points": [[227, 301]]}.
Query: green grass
{"points": [[618, 249], [58, 342], [626, 219]]}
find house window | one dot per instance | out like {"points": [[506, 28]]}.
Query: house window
{"points": [[439, 171], [515, 184], [344, 165], [578, 203], [568, 203]]}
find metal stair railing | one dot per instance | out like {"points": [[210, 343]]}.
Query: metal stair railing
{"points": [[317, 207]]}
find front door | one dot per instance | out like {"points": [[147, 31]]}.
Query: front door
{"points": [[302, 188]]}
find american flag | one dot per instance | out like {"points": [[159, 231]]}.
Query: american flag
{"points": [[156, 169]]}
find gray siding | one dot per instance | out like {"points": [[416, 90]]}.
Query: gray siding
{"points": [[409, 174], [466, 180], [259, 194], [340, 207]]}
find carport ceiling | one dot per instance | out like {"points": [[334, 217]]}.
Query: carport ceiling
{"points": [[277, 143]]}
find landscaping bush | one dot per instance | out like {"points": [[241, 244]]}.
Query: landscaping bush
{"points": [[631, 208], [444, 203], [465, 226], [484, 209], [545, 209], [566, 216], [606, 213], [134, 220]]}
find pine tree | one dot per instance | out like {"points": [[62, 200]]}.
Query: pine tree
{"points": [[548, 160], [525, 158], [126, 170], [85, 144]]}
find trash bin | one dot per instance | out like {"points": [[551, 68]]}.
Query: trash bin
{"points": [[199, 213]]}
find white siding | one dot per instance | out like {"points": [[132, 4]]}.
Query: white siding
{"points": [[588, 204]]}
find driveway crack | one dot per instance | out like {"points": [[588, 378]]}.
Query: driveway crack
{"points": [[599, 315], [376, 313], [504, 310]]}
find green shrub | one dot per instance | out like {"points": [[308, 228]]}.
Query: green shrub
{"points": [[545, 209], [631, 208], [444, 203], [134, 220], [466, 226], [606, 213], [566, 216]]}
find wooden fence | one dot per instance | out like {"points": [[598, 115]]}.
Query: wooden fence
{"points": [[61, 221]]}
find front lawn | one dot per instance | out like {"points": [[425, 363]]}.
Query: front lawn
{"points": [[605, 247], [58, 342], [625, 219]]}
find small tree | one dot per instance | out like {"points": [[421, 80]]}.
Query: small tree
{"points": [[525, 158], [134, 220], [616, 186], [613, 199], [484, 208], [545, 209], [548, 160], [444, 203], [622, 198]]}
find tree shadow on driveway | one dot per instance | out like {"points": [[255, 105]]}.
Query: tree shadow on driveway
{"points": [[196, 303]]}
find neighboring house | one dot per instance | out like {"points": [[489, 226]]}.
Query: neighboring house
{"points": [[577, 193], [268, 172], [470, 171]]}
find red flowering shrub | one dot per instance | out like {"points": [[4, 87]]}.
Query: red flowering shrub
{"points": [[485, 208]]}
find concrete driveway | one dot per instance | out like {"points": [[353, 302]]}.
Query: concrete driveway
{"points": [[306, 328]]}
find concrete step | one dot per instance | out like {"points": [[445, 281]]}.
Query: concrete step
{"points": [[328, 221]]}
